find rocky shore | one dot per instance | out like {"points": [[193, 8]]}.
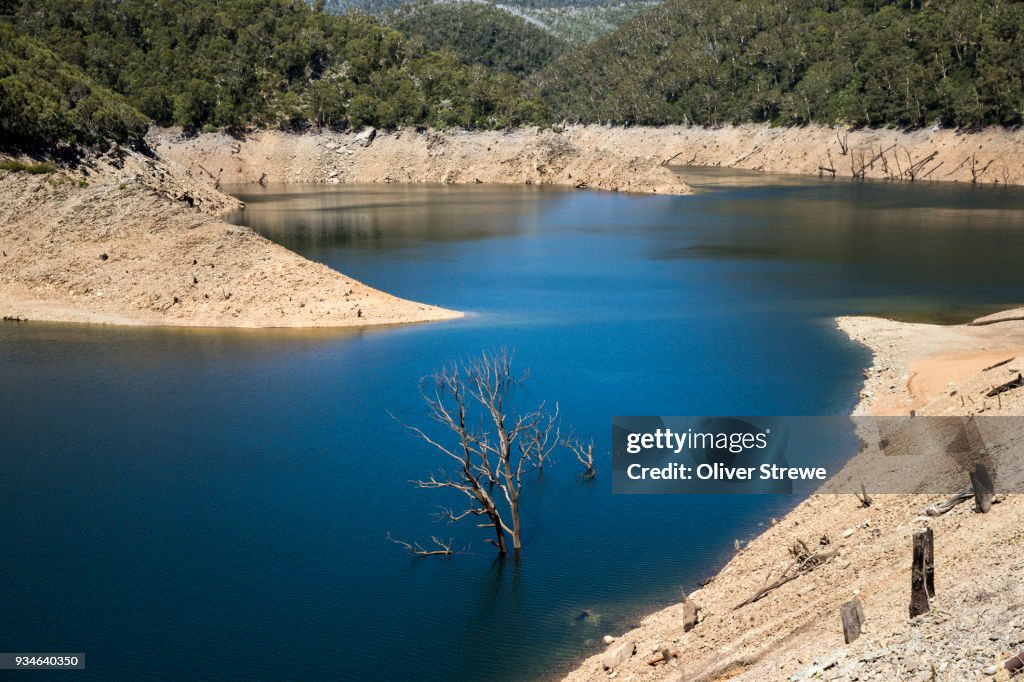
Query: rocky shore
{"points": [[526, 156], [795, 633], [627, 159]]}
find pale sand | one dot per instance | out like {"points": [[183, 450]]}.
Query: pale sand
{"points": [[937, 369], [795, 633], [141, 243]]}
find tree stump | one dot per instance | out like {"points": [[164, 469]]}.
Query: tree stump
{"points": [[984, 490], [852, 614], [922, 574]]}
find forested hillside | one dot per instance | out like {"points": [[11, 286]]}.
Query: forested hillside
{"points": [[956, 62], [86, 70], [481, 33], [238, 63], [44, 100], [574, 21]]}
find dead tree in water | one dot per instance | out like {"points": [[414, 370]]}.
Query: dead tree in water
{"points": [[584, 453], [492, 449]]}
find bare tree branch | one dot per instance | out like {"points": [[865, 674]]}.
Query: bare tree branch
{"points": [[584, 453], [443, 548]]}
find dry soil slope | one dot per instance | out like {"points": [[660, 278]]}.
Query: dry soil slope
{"points": [[128, 239]]}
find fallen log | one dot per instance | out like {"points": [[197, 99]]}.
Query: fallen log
{"points": [[998, 364], [959, 496], [665, 656], [1008, 386], [802, 566]]}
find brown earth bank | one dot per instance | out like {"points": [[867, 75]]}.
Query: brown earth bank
{"points": [[629, 159], [795, 632], [128, 239], [526, 156]]}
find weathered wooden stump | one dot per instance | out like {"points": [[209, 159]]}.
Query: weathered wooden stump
{"points": [[984, 490], [922, 574], [852, 614]]}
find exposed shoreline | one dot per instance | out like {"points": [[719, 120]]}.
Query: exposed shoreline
{"points": [[795, 633], [627, 159], [524, 156], [130, 240], [145, 213]]}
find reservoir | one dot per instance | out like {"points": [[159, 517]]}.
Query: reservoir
{"points": [[212, 504]]}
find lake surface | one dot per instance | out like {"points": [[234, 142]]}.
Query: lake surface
{"points": [[214, 504]]}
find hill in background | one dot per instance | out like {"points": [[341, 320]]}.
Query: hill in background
{"points": [[790, 62], [481, 34], [573, 21]]}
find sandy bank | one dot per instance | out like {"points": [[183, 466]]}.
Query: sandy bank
{"points": [[938, 369], [991, 156], [599, 157], [795, 632], [127, 239]]}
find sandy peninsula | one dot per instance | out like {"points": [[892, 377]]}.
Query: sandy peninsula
{"points": [[129, 239], [795, 632]]}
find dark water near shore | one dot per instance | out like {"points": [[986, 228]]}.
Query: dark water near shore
{"points": [[214, 504]]}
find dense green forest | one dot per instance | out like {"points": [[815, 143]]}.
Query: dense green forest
{"points": [[44, 100], [86, 70], [573, 21], [238, 63], [861, 62], [481, 33]]}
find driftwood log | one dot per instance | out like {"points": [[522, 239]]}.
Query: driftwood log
{"points": [[804, 562], [664, 656], [959, 496], [1008, 386]]}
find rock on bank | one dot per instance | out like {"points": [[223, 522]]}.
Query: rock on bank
{"points": [[128, 239]]}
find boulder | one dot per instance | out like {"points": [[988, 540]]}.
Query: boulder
{"points": [[618, 654], [690, 615], [366, 136]]}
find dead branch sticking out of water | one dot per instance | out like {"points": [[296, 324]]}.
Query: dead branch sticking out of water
{"points": [[443, 548], [584, 453], [830, 168], [976, 171], [804, 562]]}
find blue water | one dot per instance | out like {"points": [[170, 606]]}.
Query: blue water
{"points": [[197, 504]]}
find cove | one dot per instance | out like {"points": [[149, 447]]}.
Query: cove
{"points": [[205, 503]]}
